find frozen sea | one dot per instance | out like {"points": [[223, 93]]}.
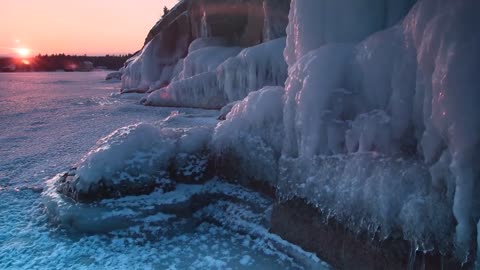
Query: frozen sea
{"points": [[48, 121]]}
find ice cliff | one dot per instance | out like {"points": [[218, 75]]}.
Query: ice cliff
{"points": [[209, 53], [376, 122], [405, 94]]}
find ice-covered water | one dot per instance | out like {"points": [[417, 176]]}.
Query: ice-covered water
{"points": [[48, 121]]}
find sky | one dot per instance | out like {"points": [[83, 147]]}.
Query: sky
{"points": [[92, 27]]}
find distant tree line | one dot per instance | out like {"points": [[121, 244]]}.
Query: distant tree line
{"points": [[62, 61]]}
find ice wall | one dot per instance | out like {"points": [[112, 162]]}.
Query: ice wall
{"points": [[199, 91], [253, 68], [406, 94], [313, 23], [196, 83], [212, 76]]}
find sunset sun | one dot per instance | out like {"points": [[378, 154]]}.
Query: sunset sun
{"points": [[23, 52]]}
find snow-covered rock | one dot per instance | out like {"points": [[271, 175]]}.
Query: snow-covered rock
{"points": [[139, 158]]}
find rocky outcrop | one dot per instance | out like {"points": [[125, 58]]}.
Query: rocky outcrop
{"points": [[243, 22], [66, 184]]}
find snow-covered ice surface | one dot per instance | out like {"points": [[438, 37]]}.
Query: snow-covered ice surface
{"points": [[49, 121]]}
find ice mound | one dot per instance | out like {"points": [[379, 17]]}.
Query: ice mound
{"points": [[404, 93], [127, 153], [138, 158], [249, 141]]}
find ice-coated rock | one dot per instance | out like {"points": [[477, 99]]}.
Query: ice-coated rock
{"points": [[173, 45], [407, 92]]}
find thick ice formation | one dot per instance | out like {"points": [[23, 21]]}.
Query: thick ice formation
{"points": [[406, 93], [199, 91], [313, 23], [154, 63], [210, 77], [206, 59], [252, 69], [252, 134], [196, 83]]}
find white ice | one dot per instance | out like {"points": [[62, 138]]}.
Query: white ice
{"points": [[405, 92]]}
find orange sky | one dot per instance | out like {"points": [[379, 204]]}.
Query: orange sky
{"points": [[93, 27]]}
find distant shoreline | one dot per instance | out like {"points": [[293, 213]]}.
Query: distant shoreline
{"points": [[62, 62]]}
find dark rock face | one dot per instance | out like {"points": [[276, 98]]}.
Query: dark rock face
{"points": [[225, 18], [226, 167], [301, 224], [164, 23], [276, 18], [242, 22], [106, 189]]}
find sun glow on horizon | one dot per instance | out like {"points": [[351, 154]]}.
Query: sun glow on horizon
{"points": [[23, 52], [89, 27]]}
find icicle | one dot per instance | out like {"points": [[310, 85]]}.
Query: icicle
{"points": [[413, 256], [204, 31]]}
